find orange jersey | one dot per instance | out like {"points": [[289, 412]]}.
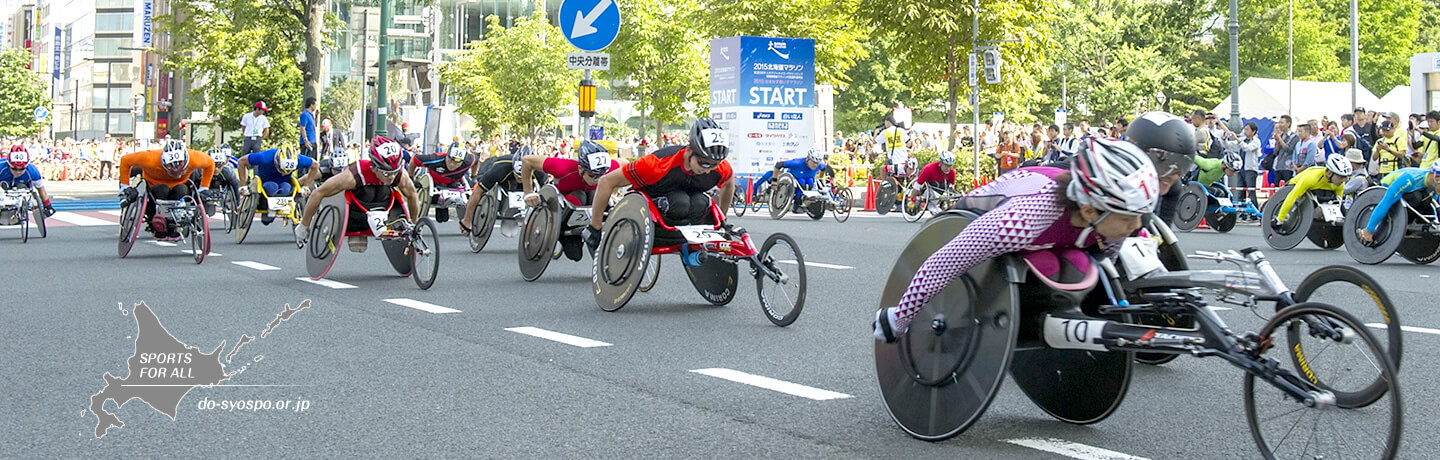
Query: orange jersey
{"points": [[150, 169], [664, 171]]}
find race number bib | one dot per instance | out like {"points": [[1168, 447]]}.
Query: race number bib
{"points": [[339, 160], [579, 217], [1141, 257], [1074, 334], [516, 200], [376, 219], [452, 196], [1331, 213], [10, 200], [699, 233], [1224, 202], [281, 203]]}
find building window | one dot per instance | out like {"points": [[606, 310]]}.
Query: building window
{"points": [[115, 3], [110, 47], [119, 97], [114, 22]]}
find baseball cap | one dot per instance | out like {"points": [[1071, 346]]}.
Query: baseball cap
{"points": [[261, 105], [1359, 109], [1387, 125]]}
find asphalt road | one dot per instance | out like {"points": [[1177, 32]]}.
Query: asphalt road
{"points": [[384, 379]]}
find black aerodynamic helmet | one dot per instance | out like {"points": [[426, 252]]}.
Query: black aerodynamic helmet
{"points": [[593, 157], [1168, 139], [709, 140]]}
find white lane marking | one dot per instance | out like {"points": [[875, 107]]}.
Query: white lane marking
{"points": [[163, 244], [254, 265], [80, 220], [818, 265], [1072, 449], [1422, 330], [1219, 308], [772, 384], [62, 197], [326, 283], [558, 337], [422, 306], [113, 212], [208, 254]]}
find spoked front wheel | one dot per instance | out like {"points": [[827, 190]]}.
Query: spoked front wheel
{"points": [[1362, 297], [1325, 427], [738, 204], [914, 207], [842, 204], [482, 222], [780, 279], [426, 246], [199, 237]]}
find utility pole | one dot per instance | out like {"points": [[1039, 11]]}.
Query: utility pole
{"points": [[380, 97], [975, 89], [1354, 54], [1235, 65]]}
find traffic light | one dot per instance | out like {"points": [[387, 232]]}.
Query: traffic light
{"points": [[992, 66], [587, 98]]}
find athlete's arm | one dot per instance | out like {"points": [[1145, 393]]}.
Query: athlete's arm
{"points": [[243, 167], [1400, 187], [207, 167], [412, 197], [527, 168], [606, 186], [727, 193], [1302, 186], [337, 184], [312, 174], [126, 162]]}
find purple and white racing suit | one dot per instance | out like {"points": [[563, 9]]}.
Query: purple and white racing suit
{"points": [[1029, 217]]}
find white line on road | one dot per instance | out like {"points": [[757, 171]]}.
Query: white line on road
{"points": [[1219, 308], [422, 306], [80, 220], [818, 265], [113, 212], [208, 254], [772, 384], [163, 244], [1071, 449], [254, 265], [1422, 330], [326, 283], [558, 337]]}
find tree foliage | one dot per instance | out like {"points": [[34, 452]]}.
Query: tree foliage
{"points": [[839, 30], [876, 85], [665, 57], [521, 69], [340, 102], [23, 92]]}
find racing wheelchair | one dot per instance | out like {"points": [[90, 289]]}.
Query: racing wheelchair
{"points": [[496, 205], [1214, 204], [815, 199], [1411, 228], [412, 247], [933, 200], [226, 201], [633, 234], [546, 224], [187, 213], [1317, 216], [286, 208], [21, 206], [894, 187], [1068, 345], [450, 199]]}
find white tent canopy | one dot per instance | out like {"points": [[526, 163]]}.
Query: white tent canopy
{"points": [[1267, 97], [1397, 101]]}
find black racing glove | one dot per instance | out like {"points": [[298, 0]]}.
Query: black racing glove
{"points": [[592, 238], [49, 210], [128, 195]]}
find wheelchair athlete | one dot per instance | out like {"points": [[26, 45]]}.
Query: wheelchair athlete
{"points": [[447, 171], [575, 179], [1094, 205], [500, 172], [372, 181], [676, 179], [276, 168], [939, 176], [1416, 182], [804, 169], [165, 172], [1332, 177], [20, 173], [225, 164], [1212, 170]]}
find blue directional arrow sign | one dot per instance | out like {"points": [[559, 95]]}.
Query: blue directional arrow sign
{"points": [[41, 113], [590, 25]]}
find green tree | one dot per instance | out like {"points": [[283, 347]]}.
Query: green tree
{"points": [[1106, 73], [876, 85], [663, 58], [933, 40], [474, 93], [340, 102], [1389, 36], [23, 92], [522, 67], [836, 25], [1429, 30], [277, 84]]}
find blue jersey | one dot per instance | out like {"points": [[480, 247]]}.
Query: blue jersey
{"points": [[31, 177], [799, 168], [264, 163], [1398, 183]]}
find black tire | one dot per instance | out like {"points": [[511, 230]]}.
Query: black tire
{"points": [[130, 221], [229, 202], [482, 223], [842, 207], [1296, 226], [1421, 250], [24, 216], [738, 204], [1190, 207], [652, 274], [1389, 235], [425, 244], [1375, 427], [1379, 310], [781, 306], [245, 215], [37, 213], [1223, 222], [884, 198], [199, 233]]}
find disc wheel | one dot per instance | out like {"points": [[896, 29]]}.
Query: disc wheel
{"points": [[1388, 236], [425, 245], [326, 235], [1190, 209], [885, 195], [1222, 222], [1422, 250], [627, 237], [844, 199], [229, 202], [37, 212], [781, 196], [130, 222], [652, 274], [1285, 428], [941, 374], [1364, 299], [816, 210], [738, 204], [245, 216], [782, 295], [538, 237], [1162, 320], [1297, 224], [482, 223]]}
